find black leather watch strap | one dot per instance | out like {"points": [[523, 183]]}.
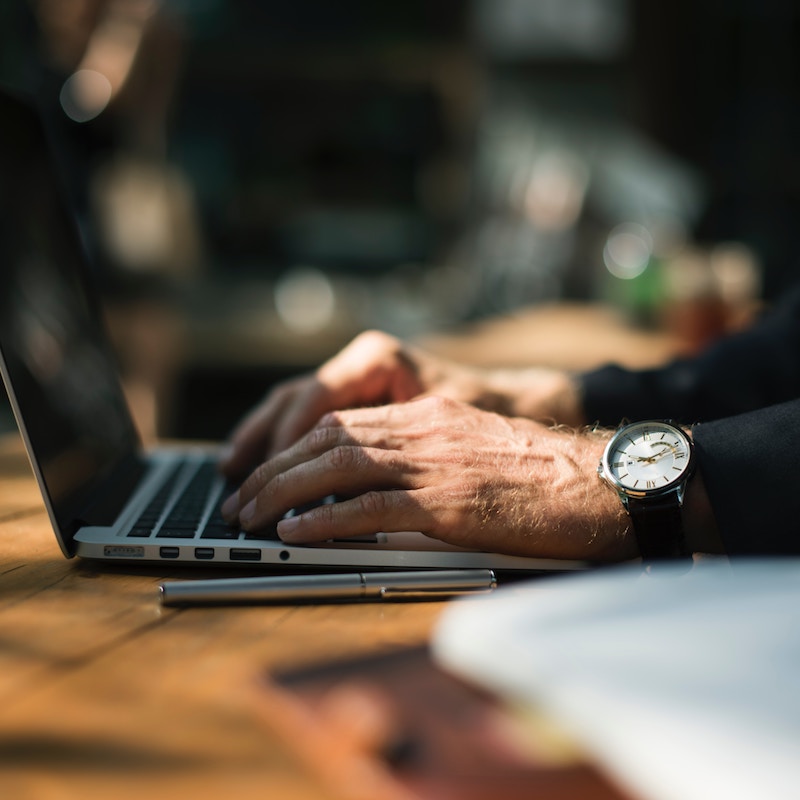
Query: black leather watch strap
{"points": [[658, 527]]}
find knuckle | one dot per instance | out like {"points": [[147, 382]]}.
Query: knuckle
{"points": [[323, 437], [260, 475], [375, 343], [277, 484], [436, 405], [373, 504], [329, 420], [343, 458], [325, 515], [375, 337]]}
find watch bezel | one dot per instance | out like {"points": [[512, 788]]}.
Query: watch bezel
{"points": [[606, 473]]}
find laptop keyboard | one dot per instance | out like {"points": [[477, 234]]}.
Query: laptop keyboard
{"points": [[190, 508]]}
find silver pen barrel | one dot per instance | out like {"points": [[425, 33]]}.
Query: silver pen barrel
{"points": [[428, 585], [274, 589], [422, 584]]}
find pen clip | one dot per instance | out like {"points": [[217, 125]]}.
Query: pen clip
{"points": [[423, 593]]}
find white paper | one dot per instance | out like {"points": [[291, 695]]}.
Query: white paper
{"points": [[685, 687]]}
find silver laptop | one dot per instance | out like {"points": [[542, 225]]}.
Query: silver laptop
{"points": [[107, 498]]}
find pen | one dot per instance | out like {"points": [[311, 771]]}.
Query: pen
{"points": [[417, 585]]}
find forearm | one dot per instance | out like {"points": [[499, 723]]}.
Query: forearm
{"points": [[546, 395]]}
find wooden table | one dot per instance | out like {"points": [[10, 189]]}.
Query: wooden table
{"points": [[105, 694]]}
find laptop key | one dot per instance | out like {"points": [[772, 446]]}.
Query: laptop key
{"points": [[268, 534], [213, 531], [176, 533]]}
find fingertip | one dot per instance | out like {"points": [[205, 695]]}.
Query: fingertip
{"points": [[288, 526], [230, 508], [235, 461], [247, 514]]}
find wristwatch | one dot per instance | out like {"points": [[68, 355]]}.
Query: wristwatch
{"points": [[649, 464]]}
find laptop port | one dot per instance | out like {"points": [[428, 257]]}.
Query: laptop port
{"points": [[123, 551], [168, 552], [204, 553], [245, 554]]}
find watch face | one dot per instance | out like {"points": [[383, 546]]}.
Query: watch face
{"points": [[647, 457]]}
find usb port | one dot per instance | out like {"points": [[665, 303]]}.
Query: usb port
{"points": [[204, 553], [245, 554], [168, 552]]}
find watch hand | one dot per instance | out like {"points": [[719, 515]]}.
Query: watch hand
{"points": [[668, 448], [652, 459]]}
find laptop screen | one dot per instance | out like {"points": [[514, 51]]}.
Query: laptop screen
{"points": [[57, 365]]}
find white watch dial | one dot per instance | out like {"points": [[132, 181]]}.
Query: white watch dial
{"points": [[647, 457]]}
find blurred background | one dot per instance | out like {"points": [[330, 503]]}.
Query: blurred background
{"points": [[258, 182]]}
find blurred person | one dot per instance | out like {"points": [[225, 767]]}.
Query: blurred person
{"points": [[507, 460]]}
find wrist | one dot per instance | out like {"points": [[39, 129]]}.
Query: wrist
{"points": [[649, 465], [546, 395], [614, 539], [592, 522]]}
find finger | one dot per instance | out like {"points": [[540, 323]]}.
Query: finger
{"points": [[323, 404], [250, 439], [401, 427], [302, 415], [344, 471], [318, 441], [374, 368], [369, 370], [265, 472], [393, 417], [372, 511], [289, 411]]}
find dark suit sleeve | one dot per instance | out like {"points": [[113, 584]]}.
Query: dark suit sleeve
{"points": [[745, 393], [751, 467], [753, 369]]}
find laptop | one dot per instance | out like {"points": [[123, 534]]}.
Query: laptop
{"points": [[107, 497]]}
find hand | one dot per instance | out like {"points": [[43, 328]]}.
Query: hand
{"points": [[376, 368], [465, 476]]}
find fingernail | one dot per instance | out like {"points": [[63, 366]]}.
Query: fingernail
{"points": [[247, 513], [287, 526], [230, 507]]}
